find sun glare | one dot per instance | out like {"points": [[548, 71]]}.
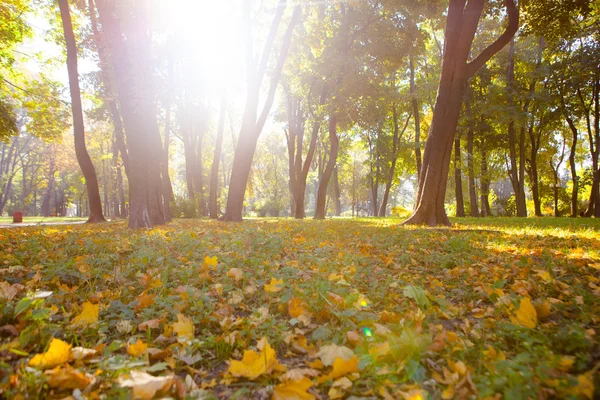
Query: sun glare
{"points": [[206, 37]]}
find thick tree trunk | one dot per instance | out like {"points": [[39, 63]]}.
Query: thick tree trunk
{"points": [[460, 30], [470, 161], [460, 203], [131, 59], [573, 165], [324, 181], [214, 171], [83, 158], [168, 194]]}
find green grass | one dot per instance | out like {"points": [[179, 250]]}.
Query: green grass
{"points": [[9, 220], [427, 310]]}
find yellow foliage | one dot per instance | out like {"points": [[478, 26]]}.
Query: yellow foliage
{"points": [[293, 390], [137, 349], [254, 364], [184, 328], [276, 285], [58, 353], [89, 314]]}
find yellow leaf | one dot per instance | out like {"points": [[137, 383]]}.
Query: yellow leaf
{"points": [[342, 367], [144, 385], [58, 353], [184, 327], [254, 364], [210, 261], [297, 307], [526, 315], [585, 386], [89, 314], [275, 286], [293, 390], [67, 377], [380, 350], [137, 349]]}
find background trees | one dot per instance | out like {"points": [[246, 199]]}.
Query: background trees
{"points": [[322, 111]]}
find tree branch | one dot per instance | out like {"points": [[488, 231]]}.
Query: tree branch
{"points": [[503, 40]]}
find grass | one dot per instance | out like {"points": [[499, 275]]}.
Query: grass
{"points": [[493, 306], [9, 220]]}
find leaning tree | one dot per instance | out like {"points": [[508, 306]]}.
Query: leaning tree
{"points": [[461, 24]]}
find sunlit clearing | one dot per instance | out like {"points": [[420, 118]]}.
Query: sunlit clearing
{"points": [[204, 37]]}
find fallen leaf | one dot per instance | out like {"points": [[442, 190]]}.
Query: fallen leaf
{"points": [[293, 390], [274, 286], [144, 385], [89, 314], [184, 327], [137, 349], [235, 273], [66, 377], [343, 367], [329, 353], [58, 353], [210, 261], [526, 315], [254, 364]]}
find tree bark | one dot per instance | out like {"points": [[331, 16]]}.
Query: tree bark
{"points": [[572, 162], [132, 60], [83, 158], [214, 171], [395, 142], [486, 210], [460, 203], [333, 151], [416, 112], [470, 161], [337, 192], [251, 125], [516, 173], [461, 26]]}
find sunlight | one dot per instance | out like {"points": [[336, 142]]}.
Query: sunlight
{"points": [[206, 39]]}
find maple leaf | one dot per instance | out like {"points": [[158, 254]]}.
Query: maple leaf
{"points": [[66, 377], [144, 385], [329, 353], [58, 353], [298, 307], [293, 390], [89, 314], [210, 261], [526, 315], [343, 367], [144, 301], [137, 349], [184, 327], [274, 286], [254, 364]]}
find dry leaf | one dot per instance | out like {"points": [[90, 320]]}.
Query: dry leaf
{"points": [[184, 327], [58, 353], [144, 385], [66, 377], [293, 390], [137, 349], [89, 314]]}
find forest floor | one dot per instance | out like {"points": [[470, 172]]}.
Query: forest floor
{"points": [[289, 309]]}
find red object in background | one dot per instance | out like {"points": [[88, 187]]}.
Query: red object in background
{"points": [[17, 217]]}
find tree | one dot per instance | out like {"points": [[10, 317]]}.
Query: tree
{"points": [[214, 171], [253, 123], [85, 162], [131, 60], [461, 25]]}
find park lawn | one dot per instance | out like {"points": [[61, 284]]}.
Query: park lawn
{"points": [[9, 220], [283, 308]]}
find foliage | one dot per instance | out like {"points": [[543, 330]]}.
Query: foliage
{"points": [[278, 308]]}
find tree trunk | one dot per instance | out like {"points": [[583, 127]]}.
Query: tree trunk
{"points": [[470, 161], [486, 210], [83, 158], [337, 193], [516, 173], [460, 203], [460, 31], [251, 125], [214, 171], [333, 151], [416, 112], [168, 194], [132, 61]]}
